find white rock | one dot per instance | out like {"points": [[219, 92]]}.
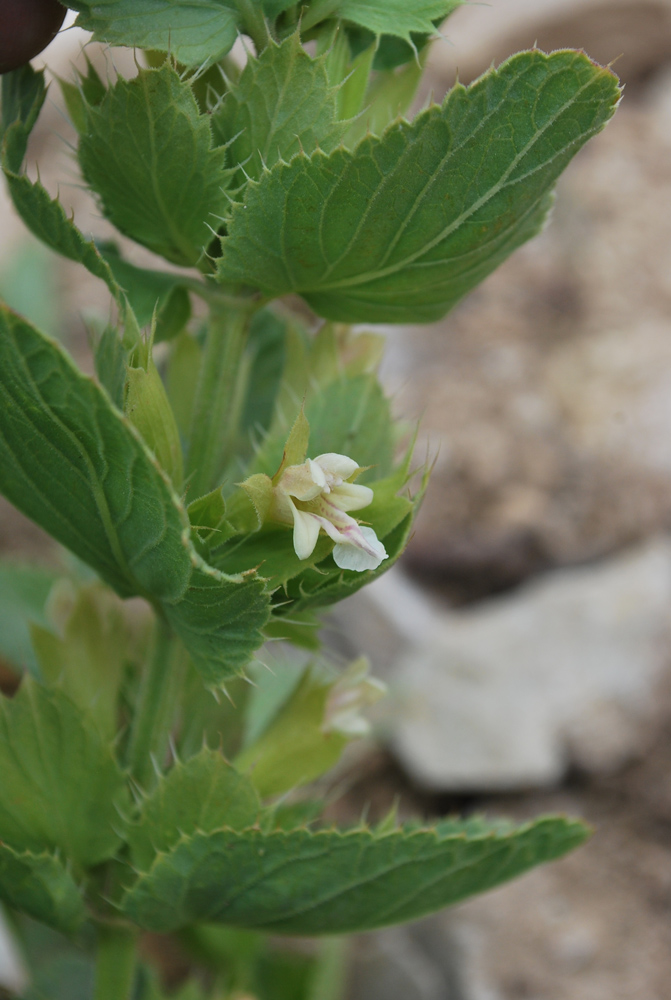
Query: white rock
{"points": [[506, 694]]}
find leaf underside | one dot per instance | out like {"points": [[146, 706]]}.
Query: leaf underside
{"points": [[193, 31], [147, 154], [397, 17], [331, 883], [282, 103], [401, 228]]}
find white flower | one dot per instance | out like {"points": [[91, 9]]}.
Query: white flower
{"points": [[316, 496], [350, 695]]}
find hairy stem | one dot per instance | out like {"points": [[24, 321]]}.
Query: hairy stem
{"points": [[158, 696], [116, 962], [212, 433]]}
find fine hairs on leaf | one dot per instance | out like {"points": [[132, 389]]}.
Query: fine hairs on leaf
{"points": [[174, 716], [402, 227]]}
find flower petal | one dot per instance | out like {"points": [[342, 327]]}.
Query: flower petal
{"points": [[338, 466], [362, 551], [306, 533], [349, 496]]}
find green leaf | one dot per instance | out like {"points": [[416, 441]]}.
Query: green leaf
{"points": [[88, 662], [333, 883], [401, 228], [203, 794], [111, 358], [30, 284], [283, 103], [267, 355], [397, 17], [299, 744], [150, 294], [349, 416], [39, 885], [353, 90], [88, 90], [182, 379], [389, 96], [23, 94], [75, 465], [147, 154], [61, 787], [273, 8], [193, 31], [207, 514], [301, 629], [23, 595], [147, 407], [270, 690]]}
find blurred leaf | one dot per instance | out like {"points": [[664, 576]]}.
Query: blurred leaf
{"points": [[147, 153], [173, 317], [148, 408], [290, 816], [401, 228], [87, 90], [61, 787], [209, 719], [27, 285], [203, 794], [182, 378], [40, 886], [23, 595], [389, 96], [282, 103], [208, 516], [301, 629], [332, 883], [23, 94], [353, 90], [296, 747], [267, 355], [349, 416], [102, 495], [353, 417], [272, 686], [150, 293], [88, 662], [111, 358], [396, 17], [193, 31]]}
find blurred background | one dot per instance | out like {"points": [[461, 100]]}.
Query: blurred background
{"points": [[526, 636]]}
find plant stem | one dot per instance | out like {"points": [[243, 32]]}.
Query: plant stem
{"points": [[116, 962], [159, 692], [210, 434]]}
